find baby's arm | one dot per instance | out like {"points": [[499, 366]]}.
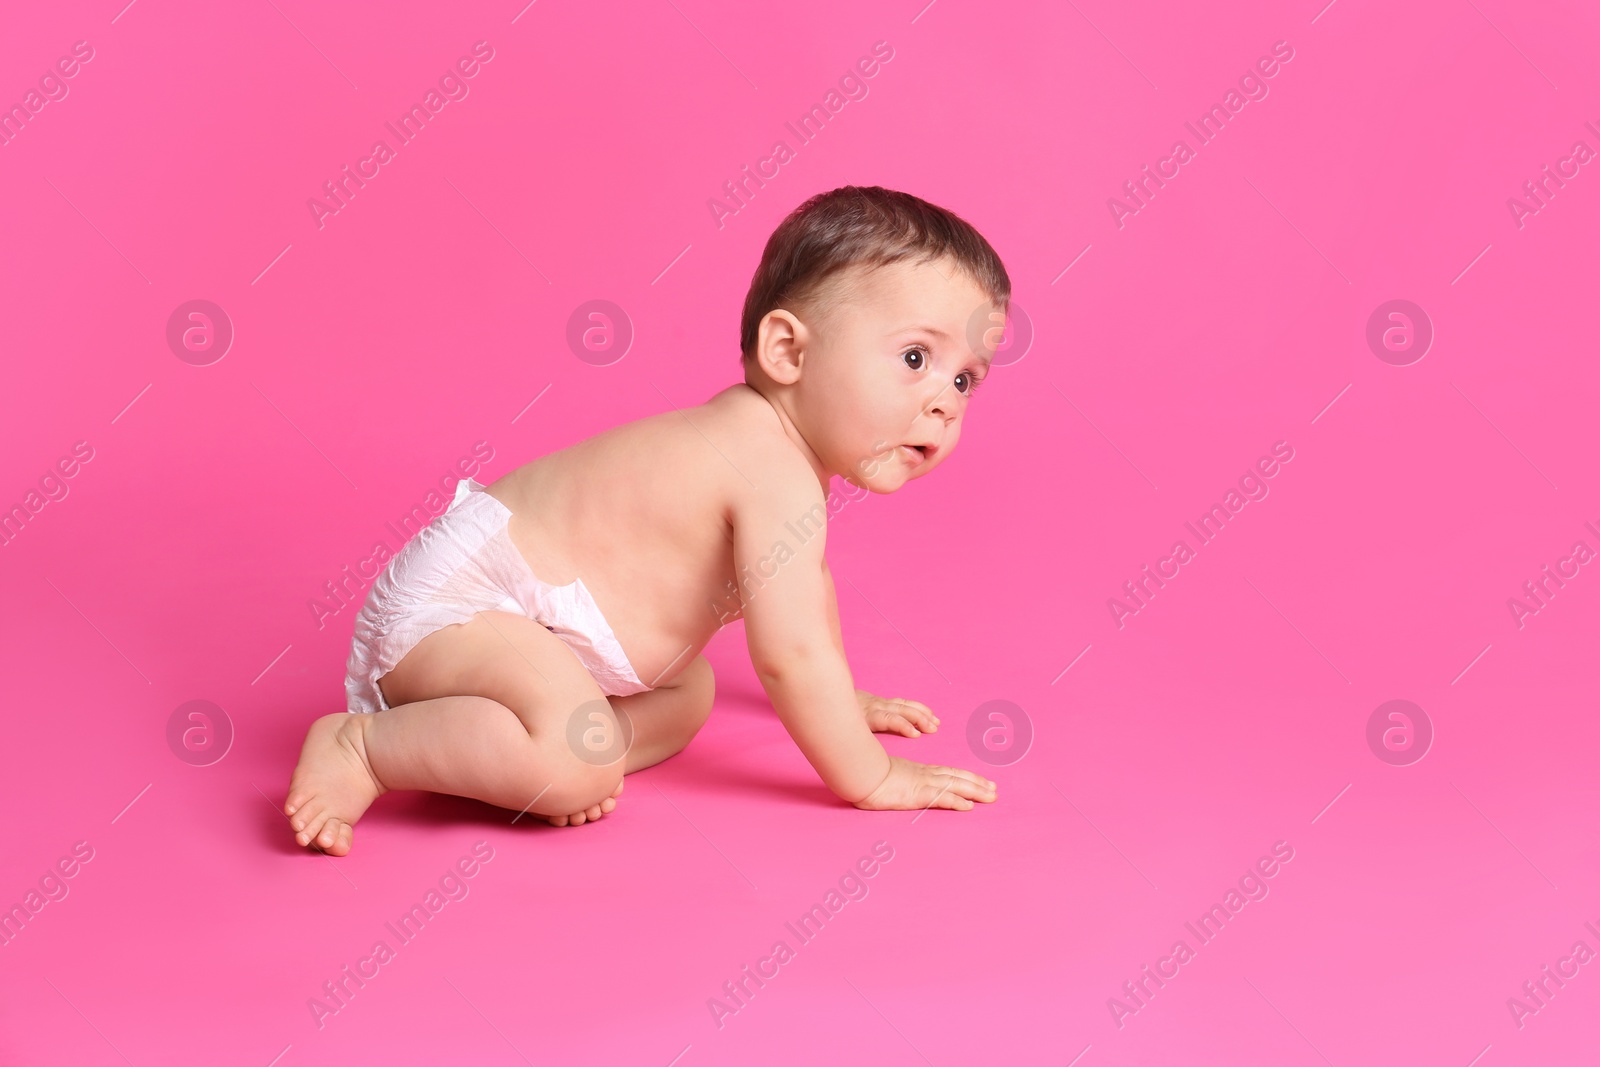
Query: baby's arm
{"points": [[798, 655]]}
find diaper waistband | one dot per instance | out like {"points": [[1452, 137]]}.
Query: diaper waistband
{"points": [[463, 487]]}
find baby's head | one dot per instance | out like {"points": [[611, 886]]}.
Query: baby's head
{"points": [[869, 323]]}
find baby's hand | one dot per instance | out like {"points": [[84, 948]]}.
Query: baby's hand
{"points": [[919, 785], [905, 717]]}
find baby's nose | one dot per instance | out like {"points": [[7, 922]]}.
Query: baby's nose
{"points": [[943, 406]]}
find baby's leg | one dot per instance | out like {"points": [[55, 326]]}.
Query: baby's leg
{"points": [[481, 709], [666, 718]]}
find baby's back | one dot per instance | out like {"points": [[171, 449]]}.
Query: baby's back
{"points": [[641, 513]]}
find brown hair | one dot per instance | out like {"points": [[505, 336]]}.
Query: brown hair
{"points": [[866, 225]]}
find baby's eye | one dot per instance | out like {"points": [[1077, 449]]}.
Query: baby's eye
{"points": [[918, 354], [967, 383]]}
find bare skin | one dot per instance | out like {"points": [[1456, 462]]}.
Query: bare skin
{"points": [[681, 540]]}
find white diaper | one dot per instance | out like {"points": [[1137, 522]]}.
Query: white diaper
{"points": [[461, 563]]}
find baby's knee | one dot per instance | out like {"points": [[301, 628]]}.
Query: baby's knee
{"points": [[691, 697], [584, 786], [581, 766], [700, 690]]}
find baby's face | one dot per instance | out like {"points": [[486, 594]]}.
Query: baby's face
{"points": [[889, 366]]}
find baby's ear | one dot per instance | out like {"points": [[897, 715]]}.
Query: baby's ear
{"points": [[780, 346]]}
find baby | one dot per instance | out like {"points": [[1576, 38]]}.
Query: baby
{"points": [[501, 654]]}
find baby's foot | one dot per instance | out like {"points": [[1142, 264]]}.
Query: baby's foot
{"points": [[333, 784], [578, 818]]}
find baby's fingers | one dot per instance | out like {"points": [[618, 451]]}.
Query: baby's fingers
{"points": [[885, 716], [949, 799], [896, 720], [966, 784], [918, 714], [956, 795]]}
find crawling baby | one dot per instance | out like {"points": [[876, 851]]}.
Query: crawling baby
{"points": [[541, 638]]}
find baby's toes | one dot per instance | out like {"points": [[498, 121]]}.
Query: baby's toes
{"points": [[308, 823], [608, 805], [301, 818], [341, 844], [328, 836], [557, 820]]}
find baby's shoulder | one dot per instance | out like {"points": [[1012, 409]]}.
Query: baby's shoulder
{"points": [[772, 471]]}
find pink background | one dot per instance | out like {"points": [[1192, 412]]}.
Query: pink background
{"points": [[1230, 713]]}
